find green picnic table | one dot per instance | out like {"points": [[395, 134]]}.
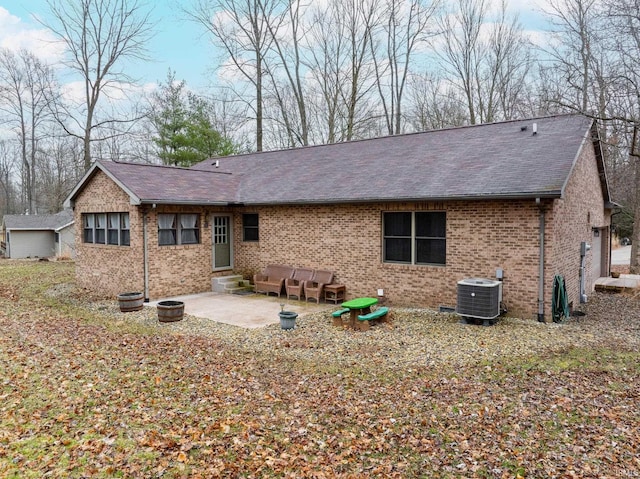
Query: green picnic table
{"points": [[358, 306]]}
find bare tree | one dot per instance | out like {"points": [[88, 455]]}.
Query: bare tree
{"points": [[241, 28], [58, 171], [574, 27], [624, 18], [404, 26], [434, 104], [327, 62], [488, 62], [26, 90], [287, 32], [6, 172], [360, 18], [462, 50], [100, 36]]}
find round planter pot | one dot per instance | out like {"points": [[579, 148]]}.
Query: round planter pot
{"points": [[130, 302], [170, 311], [288, 319]]}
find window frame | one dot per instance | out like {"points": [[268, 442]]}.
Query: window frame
{"points": [[178, 229], [414, 239], [246, 228], [94, 230]]}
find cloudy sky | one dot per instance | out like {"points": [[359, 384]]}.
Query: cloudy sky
{"points": [[177, 43]]}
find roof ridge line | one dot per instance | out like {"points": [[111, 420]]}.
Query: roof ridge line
{"points": [[399, 135]]}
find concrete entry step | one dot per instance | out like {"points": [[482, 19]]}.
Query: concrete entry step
{"points": [[624, 282], [234, 284]]}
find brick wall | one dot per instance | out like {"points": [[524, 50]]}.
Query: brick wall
{"points": [[108, 269], [347, 239], [570, 221], [481, 236], [181, 269]]}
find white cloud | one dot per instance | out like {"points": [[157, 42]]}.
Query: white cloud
{"points": [[16, 34]]}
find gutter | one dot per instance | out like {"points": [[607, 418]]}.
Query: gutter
{"points": [[397, 199]]}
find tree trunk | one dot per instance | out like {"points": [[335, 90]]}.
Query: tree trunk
{"points": [[634, 265]]}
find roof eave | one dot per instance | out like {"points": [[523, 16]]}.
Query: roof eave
{"points": [[69, 200], [510, 196], [59, 228], [184, 202]]}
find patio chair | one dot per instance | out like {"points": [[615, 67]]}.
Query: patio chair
{"points": [[295, 285], [271, 280], [314, 287]]}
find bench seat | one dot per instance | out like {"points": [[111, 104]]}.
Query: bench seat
{"points": [[364, 319], [340, 312], [378, 313], [337, 316]]}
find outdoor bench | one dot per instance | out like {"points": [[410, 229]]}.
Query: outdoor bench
{"points": [[340, 312], [378, 313], [337, 316], [365, 318]]}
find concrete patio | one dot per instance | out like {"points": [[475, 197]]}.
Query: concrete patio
{"points": [[247, 311]]}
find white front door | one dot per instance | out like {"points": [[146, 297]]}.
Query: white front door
{"points": [[221, 239]]}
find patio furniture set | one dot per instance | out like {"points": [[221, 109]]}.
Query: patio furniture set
{"points": [[360, 309], [299, 282], [313, 284]]}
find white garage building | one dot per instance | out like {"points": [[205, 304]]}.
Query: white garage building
{"points": [[38, 236]]}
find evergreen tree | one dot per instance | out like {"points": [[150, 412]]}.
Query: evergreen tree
{"points": [[184, 126]]}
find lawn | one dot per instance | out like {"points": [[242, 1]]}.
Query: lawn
{"points": [[82, 395]]}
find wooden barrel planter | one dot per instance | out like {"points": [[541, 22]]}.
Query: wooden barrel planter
{"points": [[130, 302], [170, 311]]}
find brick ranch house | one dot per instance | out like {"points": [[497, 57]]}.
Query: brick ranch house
{"points": [[412, 214]]}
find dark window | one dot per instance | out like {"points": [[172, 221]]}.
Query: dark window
{"points": [[113, 228], [397, 237], [414, 238], [178, 228], [250, 227], [105, 228], [88, 222], [431, 243], [101, 228], [124, 229]]}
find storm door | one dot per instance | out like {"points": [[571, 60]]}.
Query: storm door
{"points": [[221, 238]]}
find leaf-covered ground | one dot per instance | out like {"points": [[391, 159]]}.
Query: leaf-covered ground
{"points": [[84, 396]]}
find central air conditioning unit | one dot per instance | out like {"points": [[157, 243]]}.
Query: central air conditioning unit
{"points": [[479, 298]]}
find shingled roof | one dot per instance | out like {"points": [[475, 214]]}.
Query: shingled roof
{"points": [[38, 222], [498, 160]]}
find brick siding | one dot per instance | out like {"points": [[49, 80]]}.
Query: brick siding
{"points": [[347, 239], [108, 269], [572, 220], [481, 236]]}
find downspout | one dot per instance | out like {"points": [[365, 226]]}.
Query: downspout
{"points": [[541, 263], [145, 256]]}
